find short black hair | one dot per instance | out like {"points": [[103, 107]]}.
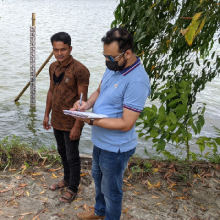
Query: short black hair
{"points": [[61, 36], [120, 35]]}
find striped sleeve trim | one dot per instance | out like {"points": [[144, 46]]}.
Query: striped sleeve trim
{"points": [[133, 109]]}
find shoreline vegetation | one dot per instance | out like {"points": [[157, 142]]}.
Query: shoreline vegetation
{"points": [[153, 189]]}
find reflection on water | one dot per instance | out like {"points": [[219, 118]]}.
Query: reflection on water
{"points": [[86, 21]]}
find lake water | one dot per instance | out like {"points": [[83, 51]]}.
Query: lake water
{"points": [[86, 21]]}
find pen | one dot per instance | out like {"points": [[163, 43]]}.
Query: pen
{"points": [[80, 100]]}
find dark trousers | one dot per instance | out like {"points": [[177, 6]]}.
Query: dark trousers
{"points": [[69, 152]]}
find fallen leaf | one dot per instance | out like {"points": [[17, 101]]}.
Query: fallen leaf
{"points": [[184, 190], [61, 174], [159, 203], [23, 184], [2, 212], [28, 213], [37, 216], [11, 169], [24, 167], [86, 207], [18, 177], [84, 174], [6, 190], [42, 180], [137, 193], [36, 174], [154, 197], [52, 170], [130, 176], [171, 166], [181, 198], [165, 193], [132, 187], [155, 170], [125, 210], [54, 176], [43, 161], [78, 199], [185, 208], [21, 218], [27, 193], [42, 192], [209, 175]]}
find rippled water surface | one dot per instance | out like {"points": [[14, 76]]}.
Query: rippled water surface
{"points": [[86, 21]]}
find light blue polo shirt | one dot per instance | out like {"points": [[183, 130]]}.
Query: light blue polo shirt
{"points": [[129, 89]]}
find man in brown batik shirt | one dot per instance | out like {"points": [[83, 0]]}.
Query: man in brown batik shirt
{"points": [[68, 79]]}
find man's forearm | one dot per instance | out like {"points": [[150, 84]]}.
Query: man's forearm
{"points": [[92, 99], [77, 124], [48, 104]]}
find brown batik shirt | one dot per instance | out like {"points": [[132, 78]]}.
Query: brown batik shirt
{"points": [[65, 94]]}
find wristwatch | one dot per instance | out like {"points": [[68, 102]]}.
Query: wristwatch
{"points": [[91, 121]]}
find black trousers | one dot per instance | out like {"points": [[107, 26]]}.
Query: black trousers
{"points": [[69, 152]]}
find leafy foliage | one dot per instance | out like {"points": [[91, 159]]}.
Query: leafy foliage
{"points": [[14, 152], [173, 38]]}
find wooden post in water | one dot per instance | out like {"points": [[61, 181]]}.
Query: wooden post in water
{"points": [[33, 62], [28, 84]]}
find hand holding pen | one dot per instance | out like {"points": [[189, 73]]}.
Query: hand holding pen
{"points": [[80, 105]]}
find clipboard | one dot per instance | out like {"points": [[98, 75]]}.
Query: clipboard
{"points": [[84, 114]]}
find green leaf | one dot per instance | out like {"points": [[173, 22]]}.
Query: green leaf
{"points": [[171, 128], [197, 61], [174, 102], [161, 110], [213, 54], [132, 16], [198, 125], [153, 133], [201, 120], [161, 145], [170, 96], [202, 147], [140, 135], [194, 128], [147, 137], [181, 110], [173, 118], [208, 144], [217, 140], [171, 6], [189, 36]]}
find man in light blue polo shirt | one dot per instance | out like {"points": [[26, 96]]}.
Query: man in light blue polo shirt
{"points": [[121, 96]]}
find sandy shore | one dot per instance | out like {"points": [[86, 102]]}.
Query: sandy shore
{"points": [[162, 193]]}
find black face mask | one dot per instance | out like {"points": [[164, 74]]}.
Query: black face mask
{"points": [[114, 65]]}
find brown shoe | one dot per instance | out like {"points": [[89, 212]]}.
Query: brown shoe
{"points": [[89, 215], [68, 196], [59, 185]]}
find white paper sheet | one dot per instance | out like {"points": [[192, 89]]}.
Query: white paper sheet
{"points": [[84, 114]]}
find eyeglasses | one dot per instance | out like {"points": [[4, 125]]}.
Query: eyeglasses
{"points": [[111, 58]]}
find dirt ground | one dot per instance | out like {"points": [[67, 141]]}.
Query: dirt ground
{"points": [[163, 191]]}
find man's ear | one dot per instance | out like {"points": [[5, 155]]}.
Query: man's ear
{"points": [[71, 48], [128, 54]]}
